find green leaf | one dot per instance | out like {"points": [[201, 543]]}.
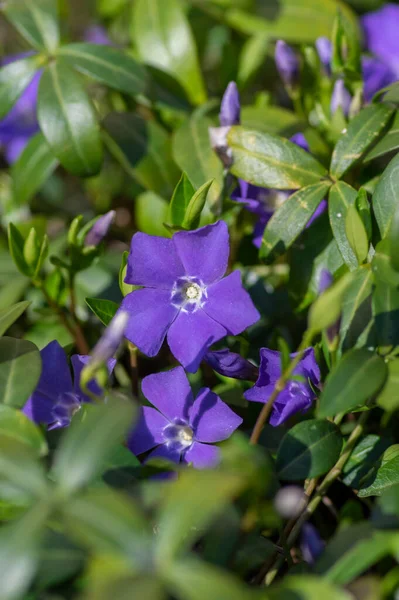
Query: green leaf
{"points": [[393, 237], [308, 449], [384, 199], [363, 457], [388, 142], [362, 131], [363, 206], [144, 149], [20, 368], [356, 308], [182, 195], [14, 424], [386, 313], [384, 475], [14, 78], [59, 560], [163, 38], [341, 197], [90, 440], [16, 245], [36, 21], [192, 579], [73, 134], [252, 57], [196, 205], [270, 119], [381, 264], [388, 399], [9, 315], [189, 504], [34, 166], [327, 308], [357, 377], [356, 234], [267, 160], [290, 220], [110, 66], [306, 587], [151, 212], [20, 468], [103, 309], [201, 163]]}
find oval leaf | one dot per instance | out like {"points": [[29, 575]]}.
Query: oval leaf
{"points": [[36, 21], [362, 131], [14, 424], [327, 308], [9, 315], [389, 396], [195, 206], [356, 379], [309, 449], [356, 309], [384, 475], [104, 309], [67, 120], [356, 234], [267, 160], [385, 311], [20, 368], [385, 197], [182, 195], [109, 65], [340, 198]]}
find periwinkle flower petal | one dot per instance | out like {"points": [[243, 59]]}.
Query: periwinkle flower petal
{"points": [[148, 431], [202, 456], [380, 29], [169, 392], [324, 50], [376, 75], [287, 63], [300, 140], [211, 419], [230, 106], [231, 364], [340, 98], [312, 545], [96, 34], [325, 280], [153, 262], [100, 229]]}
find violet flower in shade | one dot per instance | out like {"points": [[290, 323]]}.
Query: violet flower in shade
{"points": [[181, 428], [230, 107], [376, 76], [324, 50], [287, 63], [311, 543], [380, 29], [100, 229], [56, 398], [20, 123], [340, 98], [184, 296], [297, 395], [231, 364]]}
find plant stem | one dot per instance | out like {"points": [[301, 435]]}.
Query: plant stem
{"points": [[279, 387], [331, 476], [134, 369]]}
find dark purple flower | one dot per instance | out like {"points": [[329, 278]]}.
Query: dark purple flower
{"points": [[319, 211], [231, 364], [297, 395], [20, 124], [184, 294], [230, 106], [111, 339], [376, 76], [311, 543], [56, 398], [100, 229], [96, 34], [181, 428], [287, 63], [340, 98], [380, 29], [300, 140], [324, 50], [325, 281]]}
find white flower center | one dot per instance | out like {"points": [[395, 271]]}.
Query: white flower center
{"points": [[178, 435], [192, 291], [185, 434]]}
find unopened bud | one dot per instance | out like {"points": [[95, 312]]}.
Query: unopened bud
{"points": [[230, 106], [100, 229], [32, 248], [287, 63], [340, 98]]}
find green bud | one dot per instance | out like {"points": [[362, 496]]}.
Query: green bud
{"points": [[42, 255], [32, 248], [16, 244], [74, 230], [124, 287]]}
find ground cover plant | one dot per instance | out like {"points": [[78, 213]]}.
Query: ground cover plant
{"points": [[199, 302]]}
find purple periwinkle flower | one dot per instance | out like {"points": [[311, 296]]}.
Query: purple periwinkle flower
{"points": [[231, 364], [376, 76], [230, 106], [56, 398], [311, 543], [100, 229], [287, 63], [380, 29], [324, 50], [340, 98], [184, 296], [96, 34], [181, 428], [297, 396], [111, 339]]}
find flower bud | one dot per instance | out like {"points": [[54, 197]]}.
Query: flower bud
{"points": [[290, 501], [287, 63], [231, 364], [32, 248], [340, 98], [324, 50], [230, 106], [111, 339], [218, 140], [100, 229]]}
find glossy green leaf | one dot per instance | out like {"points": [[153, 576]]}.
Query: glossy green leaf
{"points": [[362, 131], [357, 377], [388, 143], [10, 314], [363, 457], [386, 313], [356, 308], [59, 560], [20, 368], [327, 308], [200, 163], [16, 245], [340, 198], [14, 78], [381, 264], [393, 237], [290, 219], [384, 475], [389, 396], [90, 440], [306, 587], [182, 195], [384, 199], [151, 212], [267, 160], [195, 206], [164, 40], [16, 425], [72, 134], [36, 21], [363, 206], [110, 66], [308, 449], [144, 149], [103, 309], [252, 57], [188, 506], [32, 169], [356, 234]]}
